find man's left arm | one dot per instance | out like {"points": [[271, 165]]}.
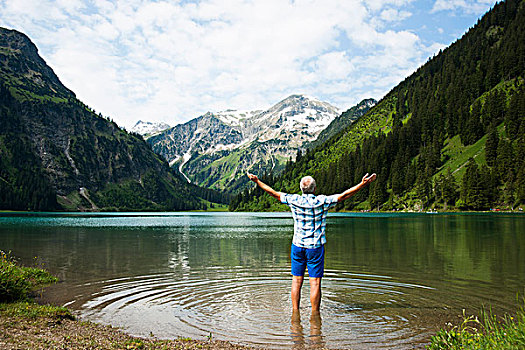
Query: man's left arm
{"points": [[265, 187], [351, 191]]}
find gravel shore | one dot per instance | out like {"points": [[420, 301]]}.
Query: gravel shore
{"points": [[18, 332]]}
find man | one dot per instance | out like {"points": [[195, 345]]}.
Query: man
{"points": [[309, 212]]}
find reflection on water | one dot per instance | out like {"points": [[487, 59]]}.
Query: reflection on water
{"points": [[391, 280], [312, 340]]}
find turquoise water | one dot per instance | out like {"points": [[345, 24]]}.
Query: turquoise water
{"points": [[391, 280]]}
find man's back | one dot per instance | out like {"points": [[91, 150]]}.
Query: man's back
{"points": [[309, 213]]}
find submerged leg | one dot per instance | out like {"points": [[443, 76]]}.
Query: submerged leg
{"points": [[297, 283], [315, 293]]}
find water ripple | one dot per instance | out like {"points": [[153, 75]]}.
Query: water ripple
{"points": [[254, 308]]}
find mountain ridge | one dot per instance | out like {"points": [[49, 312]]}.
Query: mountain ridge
{"points": [[343, 121], [57, 153], [216, 149]]}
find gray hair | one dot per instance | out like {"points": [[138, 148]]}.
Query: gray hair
{"points": [[307, 185]]}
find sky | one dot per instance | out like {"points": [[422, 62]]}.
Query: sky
{"points": [[172, 61]]}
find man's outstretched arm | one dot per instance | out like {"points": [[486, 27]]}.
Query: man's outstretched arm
{"points": [[351, 191], [265, 187]]}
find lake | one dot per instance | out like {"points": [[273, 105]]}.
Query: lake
{"points": [[391, 280]]}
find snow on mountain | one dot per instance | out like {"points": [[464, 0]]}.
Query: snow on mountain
{"points": [[296, 119], [297, 114], [225, 144], [366, 104], [148, 128], [234, 117]]}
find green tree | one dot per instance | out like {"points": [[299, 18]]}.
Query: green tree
{"points": [[445, 188], [478, 187], [514, 118], [491, 146], [505, 161], [378, 192]]}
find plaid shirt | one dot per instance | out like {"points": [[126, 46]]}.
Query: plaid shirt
{"points": [[309, 214]]}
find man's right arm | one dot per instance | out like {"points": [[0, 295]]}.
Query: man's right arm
{"points": [[351, 191], [265, 187]]}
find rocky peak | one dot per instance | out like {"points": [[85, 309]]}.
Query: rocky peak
{"points": [[301, 103], [148, 128], [19, 42], [366, 103], [20, 59], [296, 119]]}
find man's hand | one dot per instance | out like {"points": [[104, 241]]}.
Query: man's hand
{"points": [[367, 179], [351, 191], [252, 177], [265, 187]]}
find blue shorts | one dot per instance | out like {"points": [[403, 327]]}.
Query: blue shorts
{"points": [[303, 257]]}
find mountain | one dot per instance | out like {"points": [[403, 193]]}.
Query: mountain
{"points": [[451, 135], [216, 149], [148, 128], [343, 121], [57, 153]]}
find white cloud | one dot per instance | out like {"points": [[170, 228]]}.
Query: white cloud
{"points": [[475, 7], [378, 5], [172, 61], [394, 15], [334, 65]]}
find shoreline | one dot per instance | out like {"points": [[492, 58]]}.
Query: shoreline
{"points": [[31, 328], [29, 325], [36, 324], [432, 211]]}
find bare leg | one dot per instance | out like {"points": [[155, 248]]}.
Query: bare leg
{"points": [[315, 293], [297, 283]]}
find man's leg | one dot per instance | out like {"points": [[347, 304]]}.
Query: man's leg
{"points": [[316, 271], [315, 293], [298, 267], [297, 283]]}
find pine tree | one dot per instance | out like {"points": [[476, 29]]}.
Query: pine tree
{"points": [[491, 146], [505, 161], [515, 115]]}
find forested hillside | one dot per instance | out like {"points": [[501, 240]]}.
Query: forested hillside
{"points": [[56, 153], [449, 136], [343, 121]]}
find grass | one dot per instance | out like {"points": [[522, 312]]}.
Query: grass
{"points": [[23, 94], [30, 309], [484, 332], [459, 155], [18, 282], [73, 201], [17, 285], [213, 207]]}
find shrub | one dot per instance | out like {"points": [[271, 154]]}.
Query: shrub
{"points": [[485, 332], [18, 282]]}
